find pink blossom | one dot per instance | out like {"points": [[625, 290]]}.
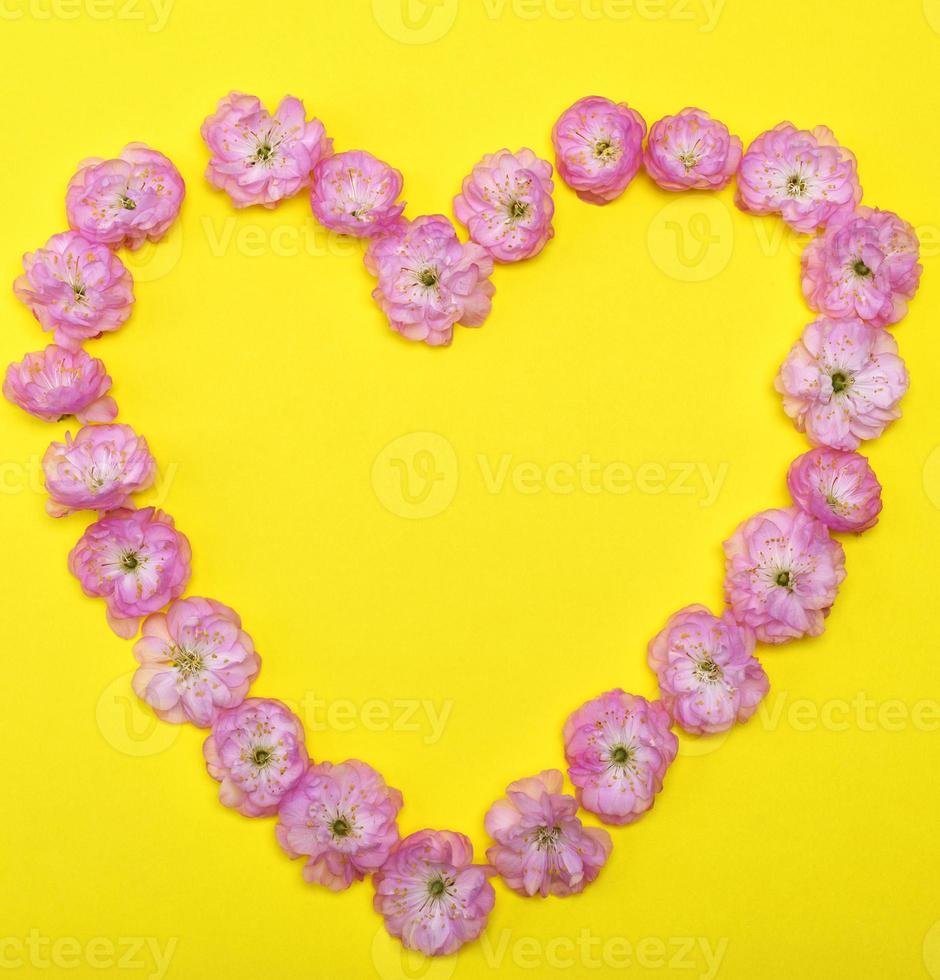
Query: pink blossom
{"points": [[782, 574], [842, 382], [507, 204], [257, 752], [708, 675], [127, 201], [598, 147], [431, 895], [97, 470], [618, 748], [864, 265], [691, 151], [54, 383], [806, 177], [195, 661], [542, 848], [258, 158], [429, 280], [353, 193], [76, 288], [136, 561], [837, 488], [342, 819]]}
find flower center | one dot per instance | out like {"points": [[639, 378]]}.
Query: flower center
{"points": [[340, 827], [840, 381], [796, 185], [708, 670], [605, 150], [439, 886], [783, 579], [264, 152], [861, 270], [621, 756], [78, 291], [131, 561], [187, 662], [261, 756], [547, 837], [128, 203], [429, 277], [518, 209], [688, 160]]}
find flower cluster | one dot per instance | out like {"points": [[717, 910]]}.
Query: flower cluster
{"points": [[598, 148], [76, 288], [841, 383], [126, 201], [259, 158]]}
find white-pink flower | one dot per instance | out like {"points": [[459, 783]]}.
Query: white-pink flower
{"points": [[598, 147], [618, 748], [782, 574], [260, 158], [76, 288], [97, 470], [54, 383], [257, 752], [353, 193], [506, 204], [342, 819], [864, 265], [691, 151], [429, 280], [843, 382], [195, 661], [708, 675], [541, 847], [125, 201], [805, 176], [837, 488]]}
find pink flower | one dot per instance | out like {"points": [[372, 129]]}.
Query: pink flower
{"points": [[257, 752], [618, 748], [431, 895], [136, 561], [842, 382], [782, 573], [353, 193], [55, 383], [691, 151], [864, 265], [258, 158], [806, 177], [97, 470], [541, 845], [127, 201], [342, 819], [195, 661], [507, 204], [76, 288], [707, 671], [598, 147], [836, 488], [429, 280]]}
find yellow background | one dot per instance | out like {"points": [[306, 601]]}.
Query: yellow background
{"points": [[278, 402]]}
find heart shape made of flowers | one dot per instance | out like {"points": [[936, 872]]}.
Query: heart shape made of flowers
{"points": [[841, 383]]}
